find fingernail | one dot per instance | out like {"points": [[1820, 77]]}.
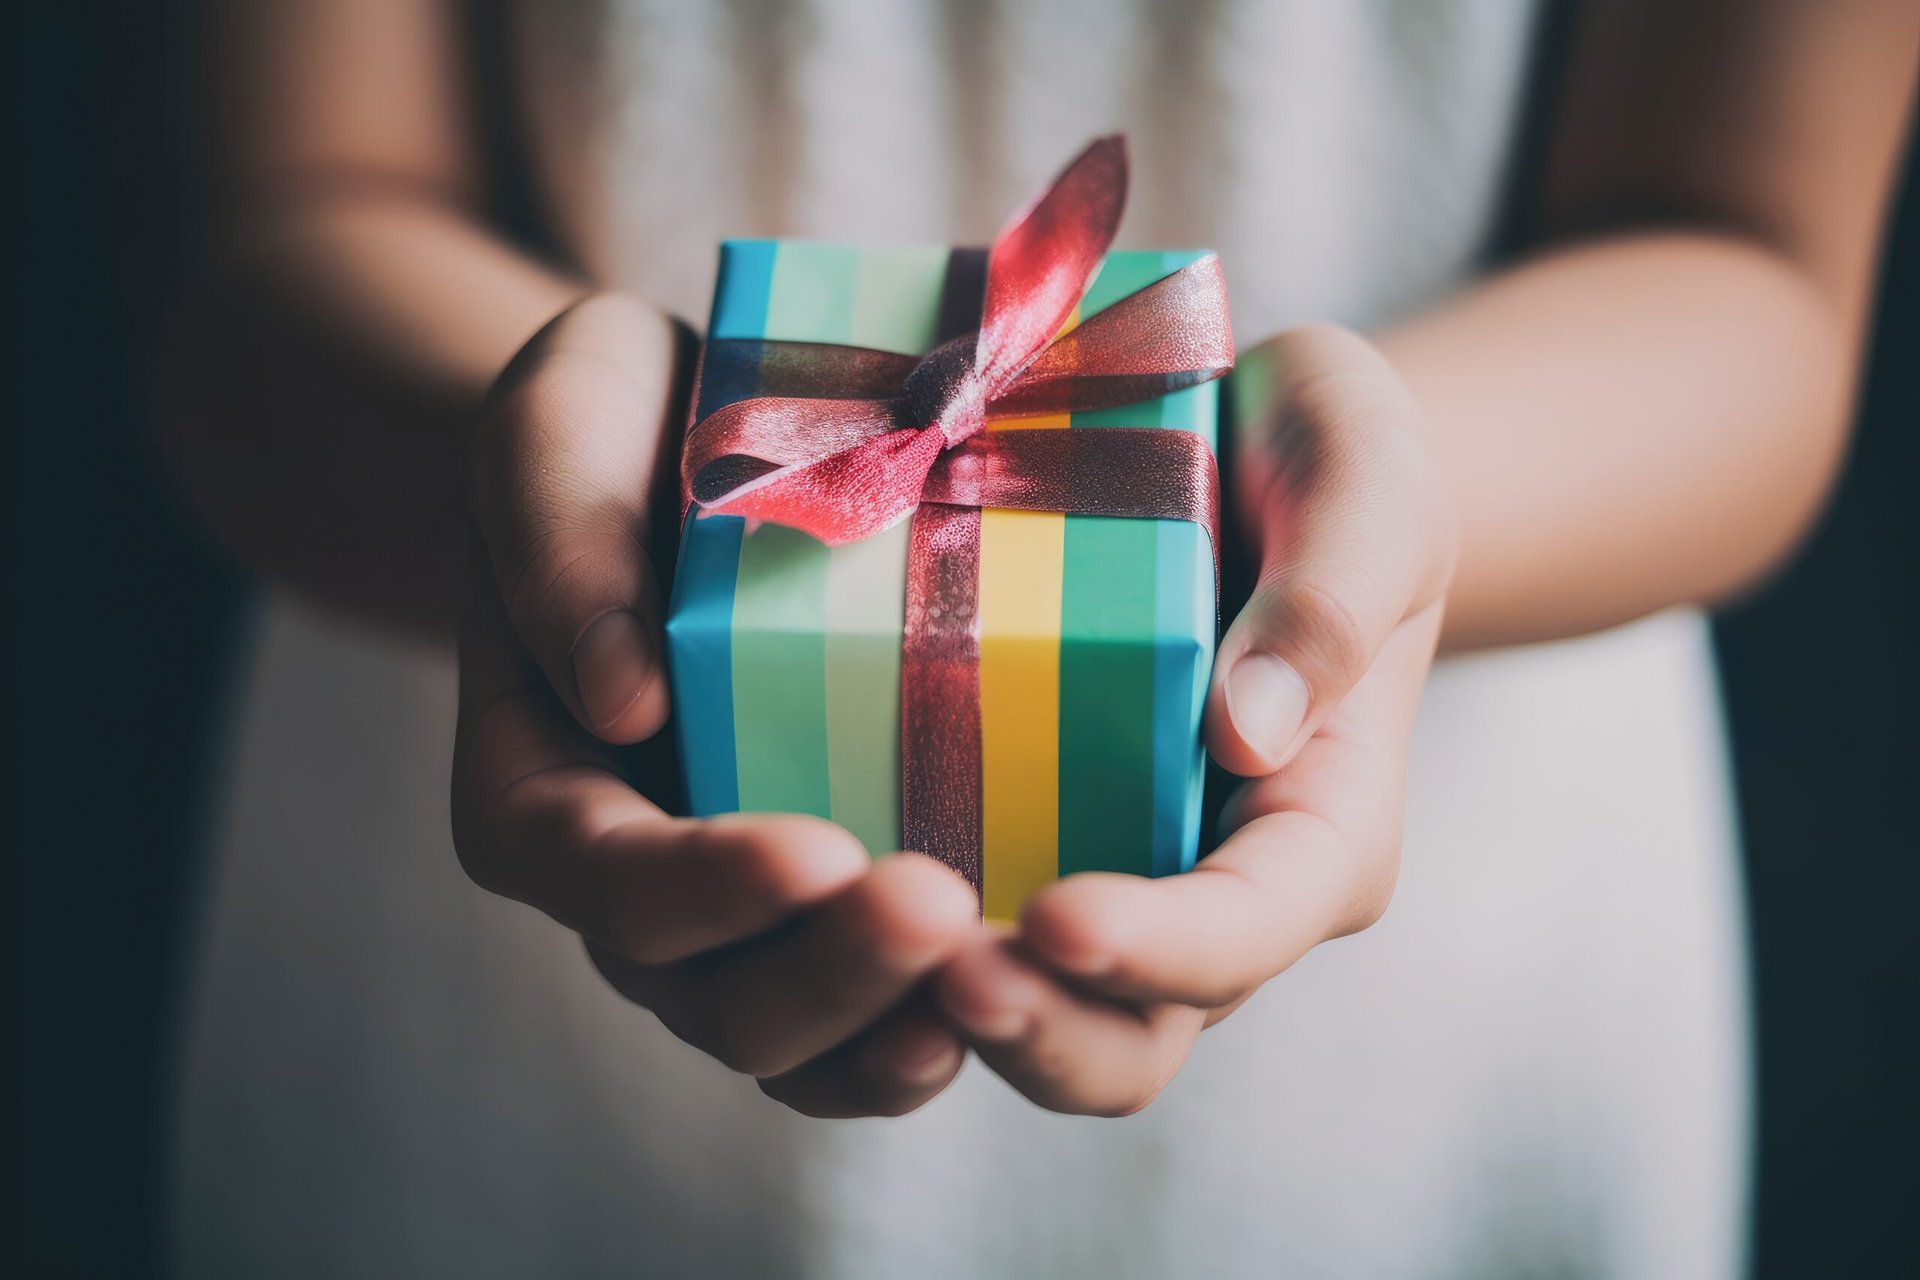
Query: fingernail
{"points": [[612, 662], [1267, 700]]}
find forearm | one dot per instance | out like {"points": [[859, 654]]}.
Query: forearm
{"points": [[316, 387], [1627, 424]]}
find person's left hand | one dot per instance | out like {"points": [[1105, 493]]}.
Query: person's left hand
{"points": [[1092, 1005]]}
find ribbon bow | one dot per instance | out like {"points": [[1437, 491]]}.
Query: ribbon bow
{"points": [[843, 468], [846, 441]]}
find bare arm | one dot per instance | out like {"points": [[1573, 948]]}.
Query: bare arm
{"points": [[317, 386], [1647, 412], [1652, 410]]}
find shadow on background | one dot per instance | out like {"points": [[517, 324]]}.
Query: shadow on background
{"points": [[1822, 681], [125, 637], [123, 640]]}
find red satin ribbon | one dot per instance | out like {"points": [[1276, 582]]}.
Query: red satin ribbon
{"points": [[844, 441]]}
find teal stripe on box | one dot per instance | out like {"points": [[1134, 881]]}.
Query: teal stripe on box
{"points": [[1184, 622], [1136, 647], [700, 658], [1106, 695], [1183, 610]]}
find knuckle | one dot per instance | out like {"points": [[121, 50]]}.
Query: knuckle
{"points": [[1319, 615], [541, 567]]}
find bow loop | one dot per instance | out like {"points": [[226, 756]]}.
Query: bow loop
{"points": [[1046, 255]]}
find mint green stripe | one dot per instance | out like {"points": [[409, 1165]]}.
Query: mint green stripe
{"points": [[865, 607], [812, 297], [896, 303], [895, 306], [779, 665]]}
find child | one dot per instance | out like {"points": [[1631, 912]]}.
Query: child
{"points": [[1533, 1065]]}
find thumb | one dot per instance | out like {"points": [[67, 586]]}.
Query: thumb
{"points": [[1354, 535], [564, 457]]}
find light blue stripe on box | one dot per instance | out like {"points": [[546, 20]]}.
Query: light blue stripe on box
{"points": [[740, 293], [700, 655]]}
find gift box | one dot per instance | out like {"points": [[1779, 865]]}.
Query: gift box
{"points": [[1078, 680]]}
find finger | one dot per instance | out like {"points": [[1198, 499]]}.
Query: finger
{"points": [[898, 1065], [774, 1002], [1353, 537], [1276, 889], [1315, 857], [563, 459], [1063, 1050], [541, 814]]}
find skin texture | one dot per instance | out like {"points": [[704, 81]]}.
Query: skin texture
{"points": [[1648, 410]]}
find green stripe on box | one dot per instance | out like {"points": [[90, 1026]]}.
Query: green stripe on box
{"points": [[1107, 646], [1106, 695], [779, 665]]}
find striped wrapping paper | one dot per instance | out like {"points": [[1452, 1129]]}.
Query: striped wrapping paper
{"points": [[1096, 632]]}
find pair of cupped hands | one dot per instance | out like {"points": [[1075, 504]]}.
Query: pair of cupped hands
{"points": [[851, 986]]}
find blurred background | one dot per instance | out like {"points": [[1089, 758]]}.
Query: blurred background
{"points": [[126, 636]]}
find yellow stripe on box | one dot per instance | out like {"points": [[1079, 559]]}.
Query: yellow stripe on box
{"points": [[1021, 559]]}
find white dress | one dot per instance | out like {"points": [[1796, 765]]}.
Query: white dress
{"points": [[1536, 1064]]}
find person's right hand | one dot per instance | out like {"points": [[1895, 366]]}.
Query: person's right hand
{"points": [[769, 941]]}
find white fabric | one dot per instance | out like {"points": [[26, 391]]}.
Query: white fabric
{"points": [[1535, 1065]]}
